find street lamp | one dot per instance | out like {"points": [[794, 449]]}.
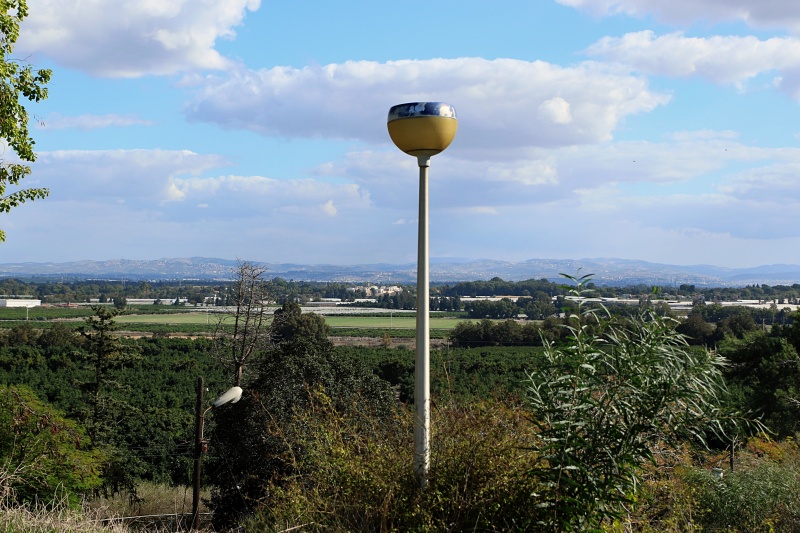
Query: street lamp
{"points": [[422, 129], [232, 395]]}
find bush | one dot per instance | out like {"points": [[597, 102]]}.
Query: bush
{"points": [[355, 473], [255, 446], [41, 452], [764, 498], [600, 402]]}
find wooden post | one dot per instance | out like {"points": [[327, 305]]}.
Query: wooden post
{"points": [[198, 454]]}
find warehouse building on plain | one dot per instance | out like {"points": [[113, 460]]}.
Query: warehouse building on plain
{"points": [[19, 302]]}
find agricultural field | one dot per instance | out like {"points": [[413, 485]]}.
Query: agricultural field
{"points": [[350, 321], [169, 320]]}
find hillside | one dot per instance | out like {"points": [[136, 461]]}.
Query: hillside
{"points": [[607, 271]]}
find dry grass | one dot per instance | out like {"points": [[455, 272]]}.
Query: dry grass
{"points": [[54, 518], [159, 506]]}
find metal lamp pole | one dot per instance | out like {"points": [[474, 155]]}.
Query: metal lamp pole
{"points": [[422, 371], [422, 129]]}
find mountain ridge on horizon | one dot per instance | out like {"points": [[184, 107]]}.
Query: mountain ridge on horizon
{"points": [[607, 271]]}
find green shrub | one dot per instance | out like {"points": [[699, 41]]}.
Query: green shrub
{"points": [[601, 400], [41, 452], [355, 472], [256, 445], [763, 498]]}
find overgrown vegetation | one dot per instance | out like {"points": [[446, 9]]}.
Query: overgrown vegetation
{"points": [[603, 398], [41, 452], [322, 437]]}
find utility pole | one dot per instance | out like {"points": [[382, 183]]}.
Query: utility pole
{"points": [[198, 453], [232, 395]]}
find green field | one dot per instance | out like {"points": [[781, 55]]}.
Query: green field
{"points": [[365, 322], [176, 318], [380, 322]]}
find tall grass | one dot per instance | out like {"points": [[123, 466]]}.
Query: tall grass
{"points": [[54, 517], [149, 499], [153, 508]]}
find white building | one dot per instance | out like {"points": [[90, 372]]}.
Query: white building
{"points": [[19, 302]]}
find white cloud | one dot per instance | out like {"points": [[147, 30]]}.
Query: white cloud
{"points": [[537, 176], [243, 196], [139, 177], [174, 183], [130, 38], [105, 204], [760, 13], [557, 110], [135, 201], [676, 182], [524, 173], [693, 183], [725, 188], [775, 183], [501, 103], [329, 208], [737, 216], [721, 59], [57, 121], [690, 189]]}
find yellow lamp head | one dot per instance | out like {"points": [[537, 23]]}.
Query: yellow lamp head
{"points": [[422, 128]]}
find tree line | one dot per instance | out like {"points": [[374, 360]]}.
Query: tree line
{"points": [[444, 297]]}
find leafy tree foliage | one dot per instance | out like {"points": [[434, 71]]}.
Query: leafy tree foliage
{"points": [[404, 300], [290, 323], [539, 307], [736, 325], [499, 287], [601, 399], [696, 330], [504, 308], [252, 447], [17, 82], [41, 452], [459, 374], [443, 303], [105, 352], [764, 374], [491, 333], [146, 421], [790, 331], [506, 333]]}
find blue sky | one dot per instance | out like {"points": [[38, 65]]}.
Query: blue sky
{"points": [[660, 130]]}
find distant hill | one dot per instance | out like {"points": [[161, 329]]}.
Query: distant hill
{"points": [[616, 272]]}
